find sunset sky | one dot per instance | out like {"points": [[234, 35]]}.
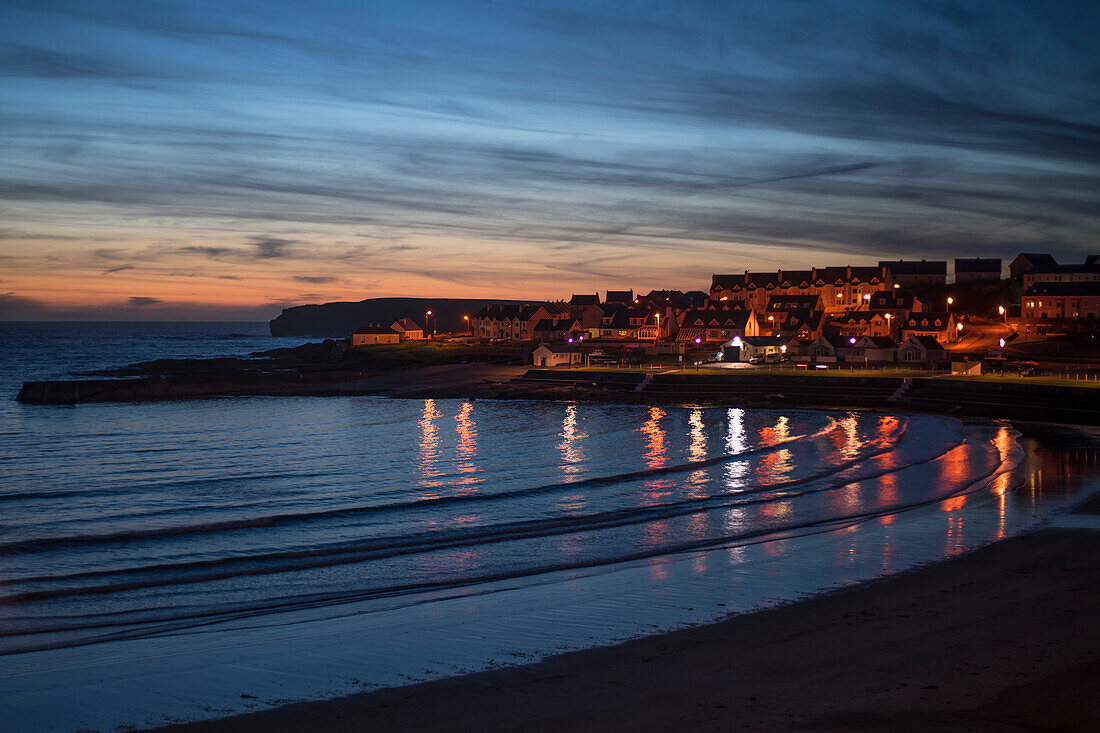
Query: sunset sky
{"points": [[223, 160]]}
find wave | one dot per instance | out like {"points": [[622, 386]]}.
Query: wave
{"points": [[22, 547], [170, 574], [192, 618]]}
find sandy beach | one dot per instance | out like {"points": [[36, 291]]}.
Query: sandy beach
{"points": [[1003, 638]]}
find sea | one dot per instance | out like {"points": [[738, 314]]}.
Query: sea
{"points": [[181, 560]]}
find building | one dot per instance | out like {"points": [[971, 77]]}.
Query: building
{"points": [[761, 347], [584, 299], [1027, 261], [408, 329], [621, 297], [940, 325], [547, 355], [1066, 307], [859, 324], [917, 272], [372, 335], [716, 325], [1083, 273], [923, 349], [969, 270], [878, 348], [557, 329], [839, 288]]}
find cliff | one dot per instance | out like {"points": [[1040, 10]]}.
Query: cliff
{"points": [[337, 320]]}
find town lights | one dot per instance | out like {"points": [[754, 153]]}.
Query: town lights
{"points": [[570, 340], [950, 300], [867, 296], [896, 286], [1001, 309], [736, 341], [783, 348], [698, 340], [1002, 342], [958, 327], [852, 340]]}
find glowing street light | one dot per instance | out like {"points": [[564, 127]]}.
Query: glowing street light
{"points": [[428, 322], [783, 348], [867, 297], [1002, 342], [698, 340], [852, 340], [950, 300]]}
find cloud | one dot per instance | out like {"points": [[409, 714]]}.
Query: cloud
{"points": [[315, 279], [141, 301], [120, 268], [270, 248]]}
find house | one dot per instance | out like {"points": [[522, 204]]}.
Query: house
{"points": [[716, 325], [620, 297], [552, 355], [753, 347], [1088, 272], [913, 272], [408, 329], [839, 288], [558, 329], [830, 347], [938, 324], [878, 348], [584, 300], [1048, 308], [969, 270], [925, 349], [1027, 261], [860, 323], [372, 335]]}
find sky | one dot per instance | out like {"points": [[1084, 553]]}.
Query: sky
{"points": [[224, 160]]}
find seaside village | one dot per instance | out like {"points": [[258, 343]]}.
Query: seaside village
{"points": [[898, 312]]}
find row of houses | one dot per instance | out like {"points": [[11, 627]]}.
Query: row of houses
{"points": [[403, 329]]}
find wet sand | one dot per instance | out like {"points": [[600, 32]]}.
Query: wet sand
{"points": [[1004, 638]]}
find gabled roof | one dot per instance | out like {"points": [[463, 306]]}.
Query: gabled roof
{"points": [[795, 278], [892, 300], [405, 324], [620, 296], [929, 320], [928, 342], [379, 330], [1036, 259], [584, 299], [717, 317], [876, 342], [726, 282], [556, 308]]}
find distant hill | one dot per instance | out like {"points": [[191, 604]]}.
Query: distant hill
{"points": [[338, 320]]}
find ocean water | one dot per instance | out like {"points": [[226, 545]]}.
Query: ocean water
{"points": [[412, 538]]}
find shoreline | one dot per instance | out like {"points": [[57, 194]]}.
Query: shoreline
{"points": [[1000, 638], [974, 397]]}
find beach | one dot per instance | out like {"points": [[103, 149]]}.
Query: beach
{"points": [[1002, 638]]}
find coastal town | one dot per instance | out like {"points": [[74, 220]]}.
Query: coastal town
{"points": [[903, 312]]}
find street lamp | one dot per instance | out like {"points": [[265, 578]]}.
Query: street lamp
{"points": [[428, 322], [950, 300], [469, 329]]}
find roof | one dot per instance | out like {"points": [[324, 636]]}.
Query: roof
{"points": [[977, 264], [892, 299], [928, 342], [877, 342], [933, 320], [1063, 289], [717, 318], [405, 324], [762, 340], [585, 299], [383, 330], [915, 267], [555, 324], [558, 348], [620, 296], [1036, 259]]}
